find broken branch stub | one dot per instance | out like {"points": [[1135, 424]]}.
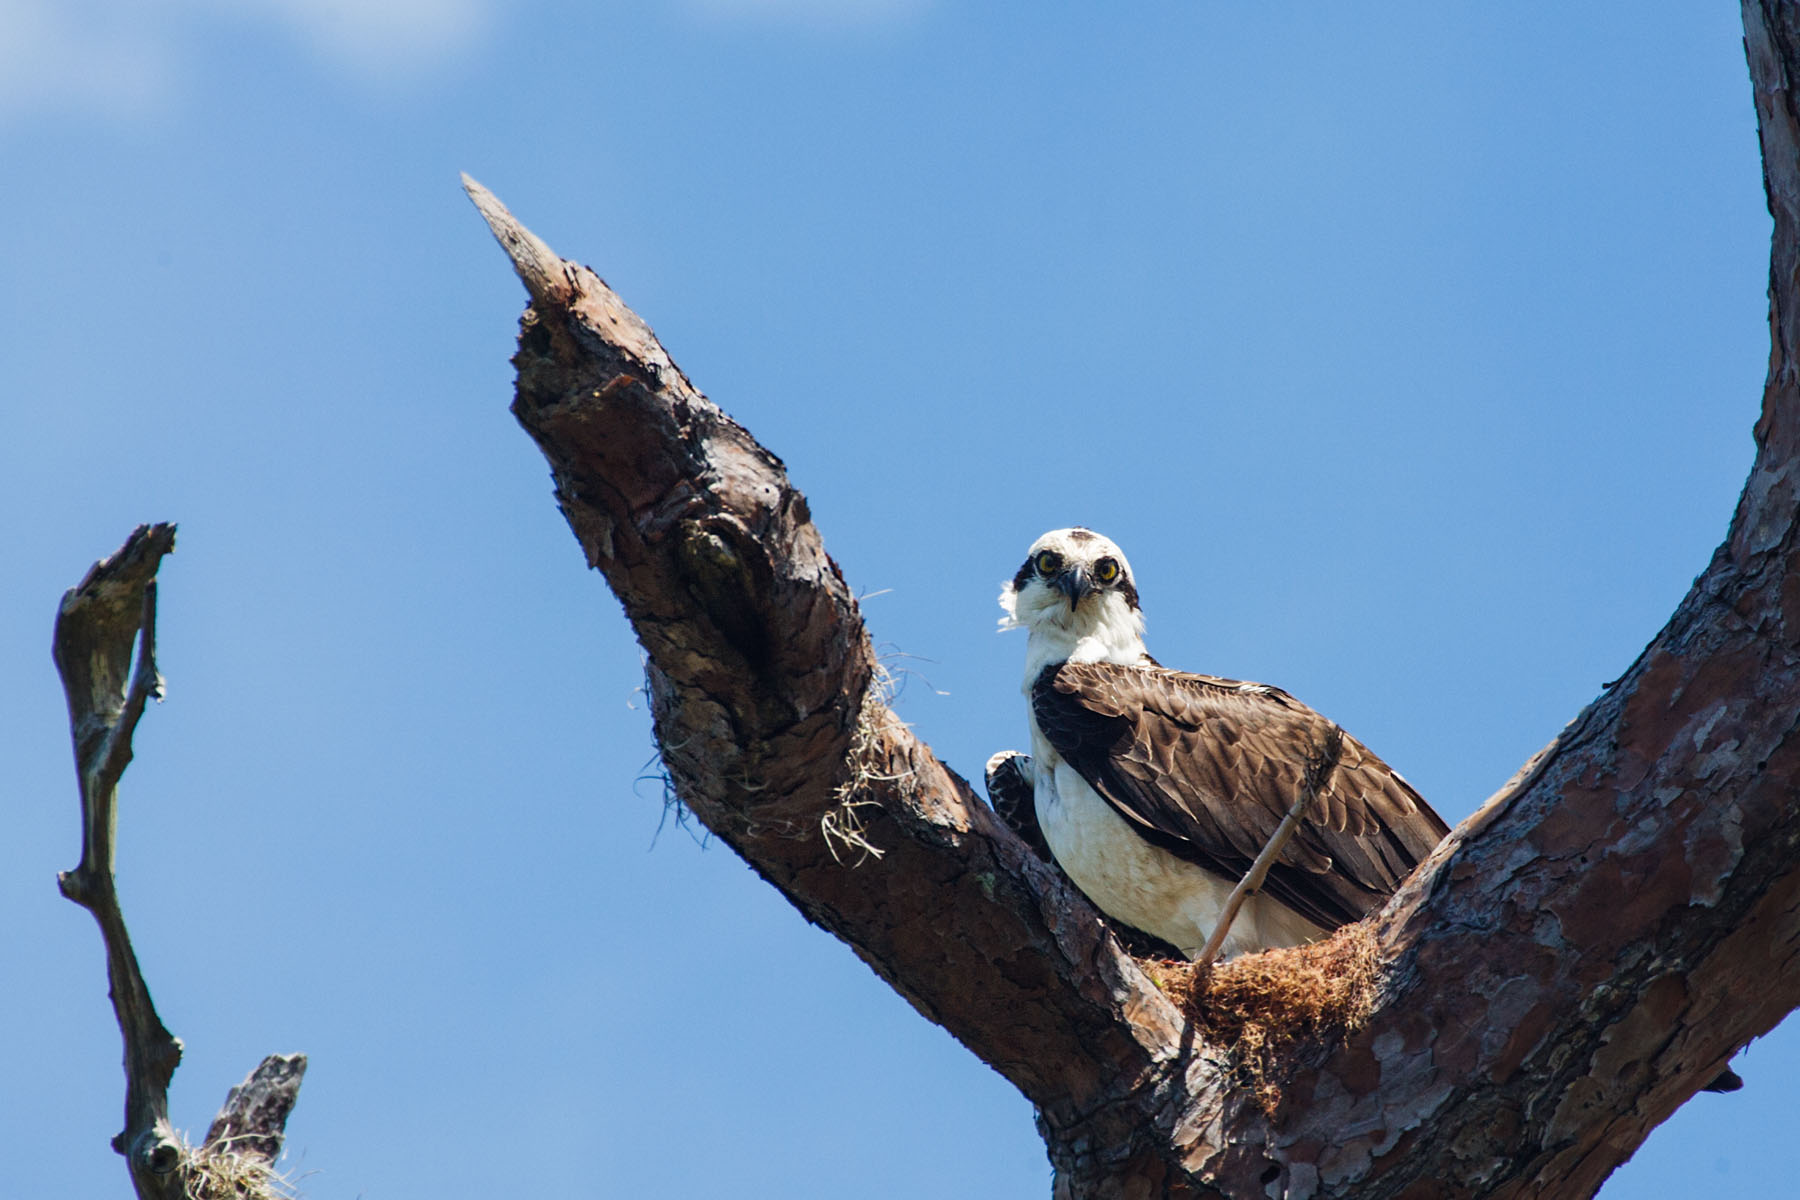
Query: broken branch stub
{"points": [[760, 675]]}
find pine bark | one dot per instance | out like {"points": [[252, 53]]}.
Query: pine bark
{"points": [[1570, 966]]}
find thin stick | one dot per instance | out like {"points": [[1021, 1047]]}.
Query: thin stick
{"points": [[1318, 770]]}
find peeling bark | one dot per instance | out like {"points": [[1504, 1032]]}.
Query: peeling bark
{"points": [[1571, 965]]}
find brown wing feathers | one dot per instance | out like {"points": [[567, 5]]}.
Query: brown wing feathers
{"points": [[1206, 768]]}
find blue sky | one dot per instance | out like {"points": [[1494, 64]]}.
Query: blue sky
{"points": [[1410, 350]]}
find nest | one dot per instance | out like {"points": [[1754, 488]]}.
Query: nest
{"points": [[1258, 1006]]}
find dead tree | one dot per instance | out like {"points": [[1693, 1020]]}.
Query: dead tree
{"points": [[1574, 962], [108, 685], [1571, 965]]}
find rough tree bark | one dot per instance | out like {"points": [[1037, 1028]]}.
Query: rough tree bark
{"points": [[1570, 966]]}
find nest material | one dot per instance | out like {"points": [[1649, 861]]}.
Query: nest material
{"points": [[1258, 1006], [842, 824], [218, 1173]]}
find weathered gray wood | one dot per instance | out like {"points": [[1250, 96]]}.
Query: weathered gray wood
{"points": [[1571, 965], [99, 621], [96, 626], [253, 1120]]}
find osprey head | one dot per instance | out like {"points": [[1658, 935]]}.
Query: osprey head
{"points": [[1073, 582]]}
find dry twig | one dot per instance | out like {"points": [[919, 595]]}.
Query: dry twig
{"points": [[101, 618]]}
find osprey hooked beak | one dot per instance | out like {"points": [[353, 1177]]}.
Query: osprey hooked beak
{"points": [[1073, 583]]}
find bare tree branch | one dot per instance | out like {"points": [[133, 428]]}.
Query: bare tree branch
{"points": [[100, 618], [1570, 966], [759, 677]]}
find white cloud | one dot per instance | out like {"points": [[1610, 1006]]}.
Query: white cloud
{"points": [[378, 37], [60, 54], [126, 57]]}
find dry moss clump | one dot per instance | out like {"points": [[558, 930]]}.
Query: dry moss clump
{"points": [[842, 824], [214, 1173], [1257, 1006]]}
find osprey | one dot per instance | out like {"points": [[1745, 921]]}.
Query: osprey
{"points": [[1156, 789]]}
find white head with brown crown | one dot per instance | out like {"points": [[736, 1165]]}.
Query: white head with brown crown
{"points": [[1077, 598]]}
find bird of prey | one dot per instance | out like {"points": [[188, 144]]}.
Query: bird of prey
{"points": [[1155, 790]]}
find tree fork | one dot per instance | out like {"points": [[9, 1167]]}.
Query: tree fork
{"points": [[1564, 971]]}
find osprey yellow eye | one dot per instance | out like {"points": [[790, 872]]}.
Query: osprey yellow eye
{"points": [[1048, 561], [1106, 570]]}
